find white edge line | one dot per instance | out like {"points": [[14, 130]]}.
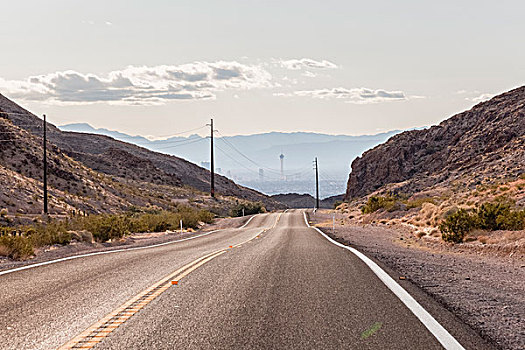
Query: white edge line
{"points": [[5, 272], [439, 332], [247, 222]]}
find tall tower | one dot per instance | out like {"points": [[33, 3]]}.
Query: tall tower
{"points": [[282, 166]]}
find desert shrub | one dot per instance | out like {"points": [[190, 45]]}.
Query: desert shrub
{"points": [[512, 220], [16, 247], [493, 216], [5, 231], [488, 214], [457, 225], [375, 203], [192, 217], [418, 202], [105, 227], [250, 208], [206, 216], [53, 232], [153, 222]]}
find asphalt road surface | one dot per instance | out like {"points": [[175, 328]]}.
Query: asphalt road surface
{"points": [[273, 284]]}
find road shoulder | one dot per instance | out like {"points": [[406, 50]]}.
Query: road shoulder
{"points": [[482, 293]]}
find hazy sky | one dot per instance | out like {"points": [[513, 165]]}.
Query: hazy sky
{"points": [[346, 67]]}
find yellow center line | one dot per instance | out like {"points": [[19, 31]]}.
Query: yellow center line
{"points": [[196, 266], [104, 327]]}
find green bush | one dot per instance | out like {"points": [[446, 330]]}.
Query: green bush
{"points": [[54, 232], [488, 214], [418, 202], [457, 225], [103, 227], [513, 220], [16, 247], [375, 203], [106, 227], [250, 208]]}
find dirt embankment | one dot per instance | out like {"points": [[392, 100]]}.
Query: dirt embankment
{"points": [[482, 286]]}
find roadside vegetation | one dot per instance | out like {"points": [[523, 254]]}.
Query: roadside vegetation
{"points": [[498, 213], [19, 243], [247, 208], [392, 202], [490, 216]]}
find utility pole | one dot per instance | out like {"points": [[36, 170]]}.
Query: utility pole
{"points": [[316, 184], [212, 163], [45, 167]]}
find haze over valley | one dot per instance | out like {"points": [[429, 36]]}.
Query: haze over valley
{"points": [[253, 160]]}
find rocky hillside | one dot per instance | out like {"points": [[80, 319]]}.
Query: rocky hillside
{"points": [[96, 173], [480, 145]]}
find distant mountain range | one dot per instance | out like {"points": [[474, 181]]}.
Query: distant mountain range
{"points": [[242, 157]]}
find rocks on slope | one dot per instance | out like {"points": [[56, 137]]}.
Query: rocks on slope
{"points": [[484, 142]]}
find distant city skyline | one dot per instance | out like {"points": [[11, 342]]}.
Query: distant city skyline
{"points": [[337, 67]]}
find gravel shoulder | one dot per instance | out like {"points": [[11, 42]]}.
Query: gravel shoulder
{"points": [[130, 241], [484, 289]]}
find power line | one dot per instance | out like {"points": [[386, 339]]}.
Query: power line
{"points": [[178, 141], [239, 163], [242, 154], [275, 171], [327, 178], [183, 132], [182, 144]]}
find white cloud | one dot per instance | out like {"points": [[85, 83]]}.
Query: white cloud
{"points": [[108, 23], [480, 98], [309, 74], [355, 95], [141, 85], [305, 63]]}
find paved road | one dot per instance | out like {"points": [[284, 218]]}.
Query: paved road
{"points": [[287, 288]]}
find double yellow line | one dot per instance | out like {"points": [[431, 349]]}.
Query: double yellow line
{"points": [[103, 328]]}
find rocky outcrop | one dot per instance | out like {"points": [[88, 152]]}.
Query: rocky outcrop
{"points": [[483, 142]]}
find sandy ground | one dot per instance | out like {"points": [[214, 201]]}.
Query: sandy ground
{"points": [[133, 240], [484, 288]]}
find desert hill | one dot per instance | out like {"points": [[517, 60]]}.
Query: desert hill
{"points": [[483, 144], [96, 173]]}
